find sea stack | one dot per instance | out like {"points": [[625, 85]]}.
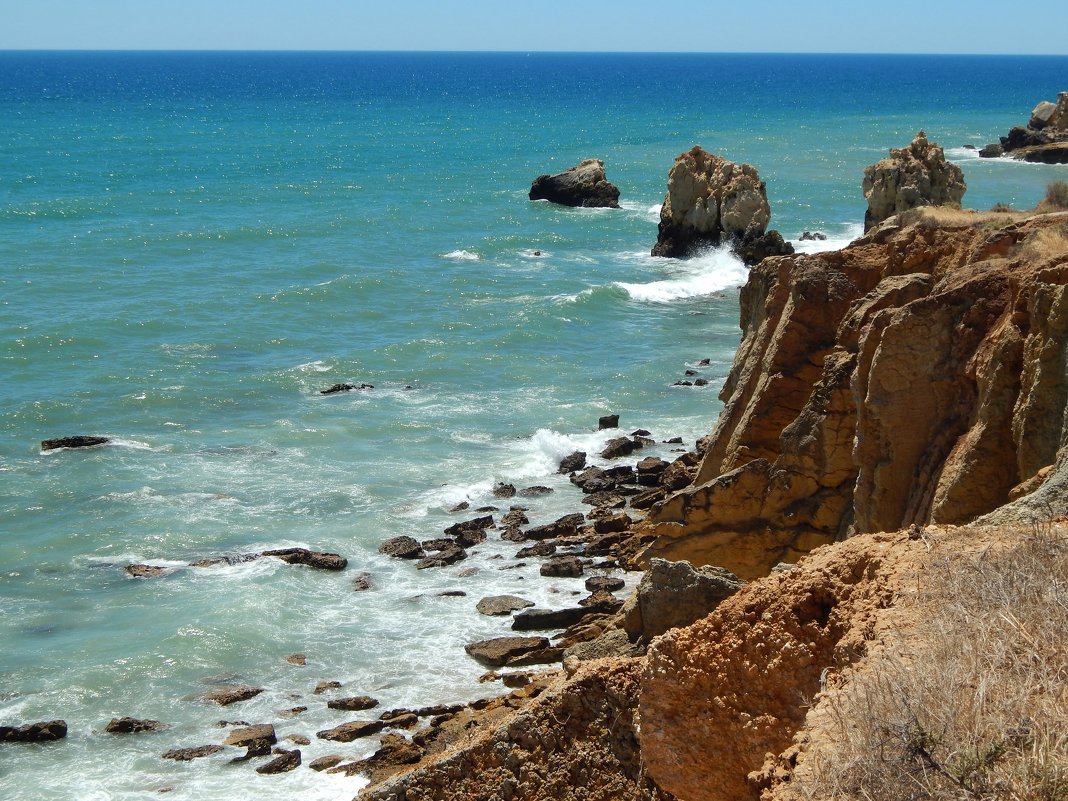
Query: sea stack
{"points": [[711, 200], [583, 185], [917, 175]]}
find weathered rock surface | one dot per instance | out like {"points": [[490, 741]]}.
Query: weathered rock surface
{"points": [[224, 696], [146, 571], [674, 594], [917, 175], [257, 739], [127, 725], [402, 547], [562, 567], [711, 200], [1044, 139], [502, 604], [499, 651], [43, 732], [189, 754], [584, 185], [347, 732], [915, 376], [316, 559], [356, 703]]}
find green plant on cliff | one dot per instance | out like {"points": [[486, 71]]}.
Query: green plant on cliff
{"points": [[974, 708], [1057, 195]]}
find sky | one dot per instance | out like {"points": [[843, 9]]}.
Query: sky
{"points": [[790, 26]]}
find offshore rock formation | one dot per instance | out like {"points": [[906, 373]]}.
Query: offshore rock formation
{"points": [[916, 376], [1044, 138], [917, 175], [582, 185], [711, 200]]}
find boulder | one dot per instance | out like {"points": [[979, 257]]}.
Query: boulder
{"points": [[1041, 114], [78, 441], [516, 516], [605, 583], [326, 686], [562, 567], [444, 554], [711, 200], [674, 594], [402, 547], [502, 490], [992, 151], [326, 762], [499, 651], [572, 462], [128, 725], [621, 446], [917, 175], [536, 491], [356, 703], [583, 185], [43, 732], [470, 532], [608, 421], [614, 643], [285, 761], [537, 549], [566, 526], [347, 732], [257, 739], [537, 619], [146, 571], [316, 559]]}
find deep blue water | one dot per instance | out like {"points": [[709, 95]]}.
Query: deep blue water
{"points": [[193, 244]]}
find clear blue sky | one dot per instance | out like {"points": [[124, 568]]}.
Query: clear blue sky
{"points": [[898, 26]]}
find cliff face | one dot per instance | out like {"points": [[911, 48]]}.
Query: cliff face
{"points": [[917, 376]]}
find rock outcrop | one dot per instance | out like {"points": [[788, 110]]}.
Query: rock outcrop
{"points": [[583, 185], [1044, 139], [710, 201], [916, 376], [917, 175]]}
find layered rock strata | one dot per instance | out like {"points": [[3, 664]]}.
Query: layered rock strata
{"points": [[710, 201], [916, 376], [917, 175]]}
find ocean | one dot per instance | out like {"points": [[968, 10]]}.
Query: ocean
{"points": [[193, 245]]}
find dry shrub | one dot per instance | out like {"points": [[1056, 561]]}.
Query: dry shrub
{"points": [[1046, 243], [1057, 195], [977, 706], [954, 215]]}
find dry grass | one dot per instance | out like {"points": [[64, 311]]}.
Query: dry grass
{"points": [[977, 706], [953, 215], [1057, 195], [1046, 243]]}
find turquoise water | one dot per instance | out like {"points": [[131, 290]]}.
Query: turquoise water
{"points": [[193, 245]]}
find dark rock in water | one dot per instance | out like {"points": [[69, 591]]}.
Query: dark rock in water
{"points": [[316, 559], [325, 762], [646, 499], [516, 516], [362, 583], [224, 696], [613, 523], [583, 185], [650, 465], [128, 725], [445, 555], [439, 544], [700, 382], [605, 583], [677, 476], [605, 500], [189, 754], [80, 441], [815, 236], [535, 491], [991, 151], [326, 686], [512, 534], [541, 656], [460, 507], [496, 605], [623, 473], [347, 732], [44, 732], [146, 571], [620, 446], [566, 526], [402, 548], [257, 739], [572, 462], [601, 602], [285, 761], [344, 388], [540, 619], [356, 703], [470, 532], [681, 383], [538, 549], [456, 593], [562, 567], [608, 421], [502, 490], [498, 651]]}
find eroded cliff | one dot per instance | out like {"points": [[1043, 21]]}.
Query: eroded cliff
{"points": [[917, 376]]}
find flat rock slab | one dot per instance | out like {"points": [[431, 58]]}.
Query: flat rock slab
{"points": [[534, 619], [316, 559], [224, 696], [285, 761], [189, 754], [356, 703], [402, 547], [498, 651], [347, 732], [605, 583], [562, 567], [80, 441], [252, 736], [502, 604]]}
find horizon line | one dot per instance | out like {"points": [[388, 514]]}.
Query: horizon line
{"points": [[520, 52]]}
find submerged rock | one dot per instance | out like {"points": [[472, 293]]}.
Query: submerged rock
{"points": [[189, 754], [224, 696], [78, 441], [584, 185]]}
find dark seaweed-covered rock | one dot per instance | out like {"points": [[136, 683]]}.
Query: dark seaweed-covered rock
{"points": [[332, 390], [188, 754], [285, 761], [316, 559], [43, 732], [126, 725]]}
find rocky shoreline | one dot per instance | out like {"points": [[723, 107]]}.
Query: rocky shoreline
{"points": [[910, 383]]}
